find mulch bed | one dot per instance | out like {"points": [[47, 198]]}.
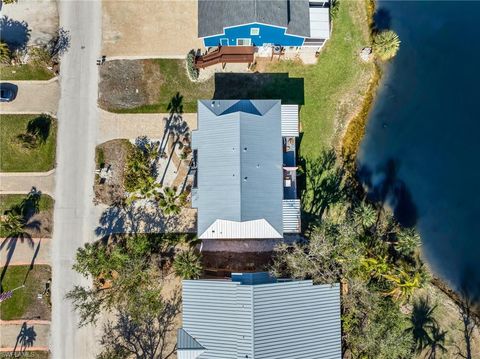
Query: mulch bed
{"points": [[222, 264], [114, 154]]}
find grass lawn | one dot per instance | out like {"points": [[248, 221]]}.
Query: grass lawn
{"points": [[24, 303], [15, 158], [335, 86], [25, 72], [7, 201]]}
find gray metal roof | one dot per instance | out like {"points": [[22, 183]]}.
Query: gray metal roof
{"points": [[239, 157], [214, 15], [281, 320]]}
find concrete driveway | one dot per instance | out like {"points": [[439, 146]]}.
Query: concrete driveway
{"points": [[34, 333], [130, 126], [33, 97], [149, 29], [36, 251], [23, 182]]}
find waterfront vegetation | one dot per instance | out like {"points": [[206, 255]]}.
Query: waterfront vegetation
{"points": [[27, 143]]}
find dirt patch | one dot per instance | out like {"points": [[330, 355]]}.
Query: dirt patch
{"points": [[112, 154], [45, 221], [222, 264], [127, 84]]}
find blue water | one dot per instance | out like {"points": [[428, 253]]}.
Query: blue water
{"points": [[422, 147]]}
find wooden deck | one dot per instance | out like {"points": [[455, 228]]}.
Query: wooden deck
{"points": [[226, 54]]}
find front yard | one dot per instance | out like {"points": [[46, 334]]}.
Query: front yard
{"points": [[25, 72], [25, 302], [36, 224], [27, 143]]}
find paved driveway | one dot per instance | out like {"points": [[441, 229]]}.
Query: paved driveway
{"points": [[146, 28], [22, 182], [130, 126], [33, 97], [35, 333], [25, 252]]}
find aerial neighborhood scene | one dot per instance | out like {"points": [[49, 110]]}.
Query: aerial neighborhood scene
{"points": [[226, 179]]}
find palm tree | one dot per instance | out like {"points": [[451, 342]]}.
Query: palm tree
{"points": [[188, 265], [4, 53], [422, 322], [365, 215], [386, 44], [168, 201], [14, 224], [404, 285], [374, 267], [408, 241], [147, 189]]}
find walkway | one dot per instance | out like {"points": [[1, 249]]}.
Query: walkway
{"points": [[77, 126], [130, 126], [38, 251], [33, 97], [34, 332], [22, 182]]}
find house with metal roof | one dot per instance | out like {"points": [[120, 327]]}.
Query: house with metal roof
{"points": [[256, 316], [285, 23], [245, 169]]}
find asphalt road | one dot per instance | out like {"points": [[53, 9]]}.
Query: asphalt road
{"points": [[77, 120]]}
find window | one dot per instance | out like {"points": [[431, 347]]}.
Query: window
{"points": [[244, 42], [255, 31]]}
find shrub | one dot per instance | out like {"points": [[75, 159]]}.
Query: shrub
{"points": [[4, 53], [386, 44], [191, 69], [188, 265]]}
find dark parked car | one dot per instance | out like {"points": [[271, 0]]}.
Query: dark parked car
{"points": [[8, 92]]}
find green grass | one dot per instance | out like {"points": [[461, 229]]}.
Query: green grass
{"points": [[7, 201], [15, 158], [334, 80], [23, 299], [25, 72]]}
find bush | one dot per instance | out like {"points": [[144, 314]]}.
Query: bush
{"points": [[4, 53], [191, 69]]}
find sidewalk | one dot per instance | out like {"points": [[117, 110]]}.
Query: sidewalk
{"points": [[23, 252], [33, 334], [130, 126], [22, 182]]}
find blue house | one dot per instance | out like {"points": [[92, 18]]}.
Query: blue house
{"points": [[255, 316], [287, 23]]}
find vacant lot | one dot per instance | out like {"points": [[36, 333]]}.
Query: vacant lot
{"points": [[24, 304], [14, 156], [146, 28], [39, 225]]}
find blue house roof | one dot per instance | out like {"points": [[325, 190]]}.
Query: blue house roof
{"points": [[258, 317], [215, 15]]}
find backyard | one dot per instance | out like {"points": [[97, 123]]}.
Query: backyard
{"points": [[25, 303], [27, 143]]}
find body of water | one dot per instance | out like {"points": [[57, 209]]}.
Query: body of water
{"points": [[422, 147]]}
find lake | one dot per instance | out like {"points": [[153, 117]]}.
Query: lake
{"points": [[422, 148]]}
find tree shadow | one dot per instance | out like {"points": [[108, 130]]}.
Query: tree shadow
{"points": [[26, 338], [25, 210], [60, 43], [422, 321], [40, 127], [383, 186], [15, 33], [382, 19], [323, 181], [258, 86]]}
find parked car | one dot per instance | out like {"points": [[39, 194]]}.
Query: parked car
{"points": [[8, 92]]}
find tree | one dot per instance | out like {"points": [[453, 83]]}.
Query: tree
{"points": [[169, 201], [408, 241], [365, 215], [147, 189], [13, 224], [141, 336], [386, 44], [403, 285], [4, 53], [187, 264]]}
